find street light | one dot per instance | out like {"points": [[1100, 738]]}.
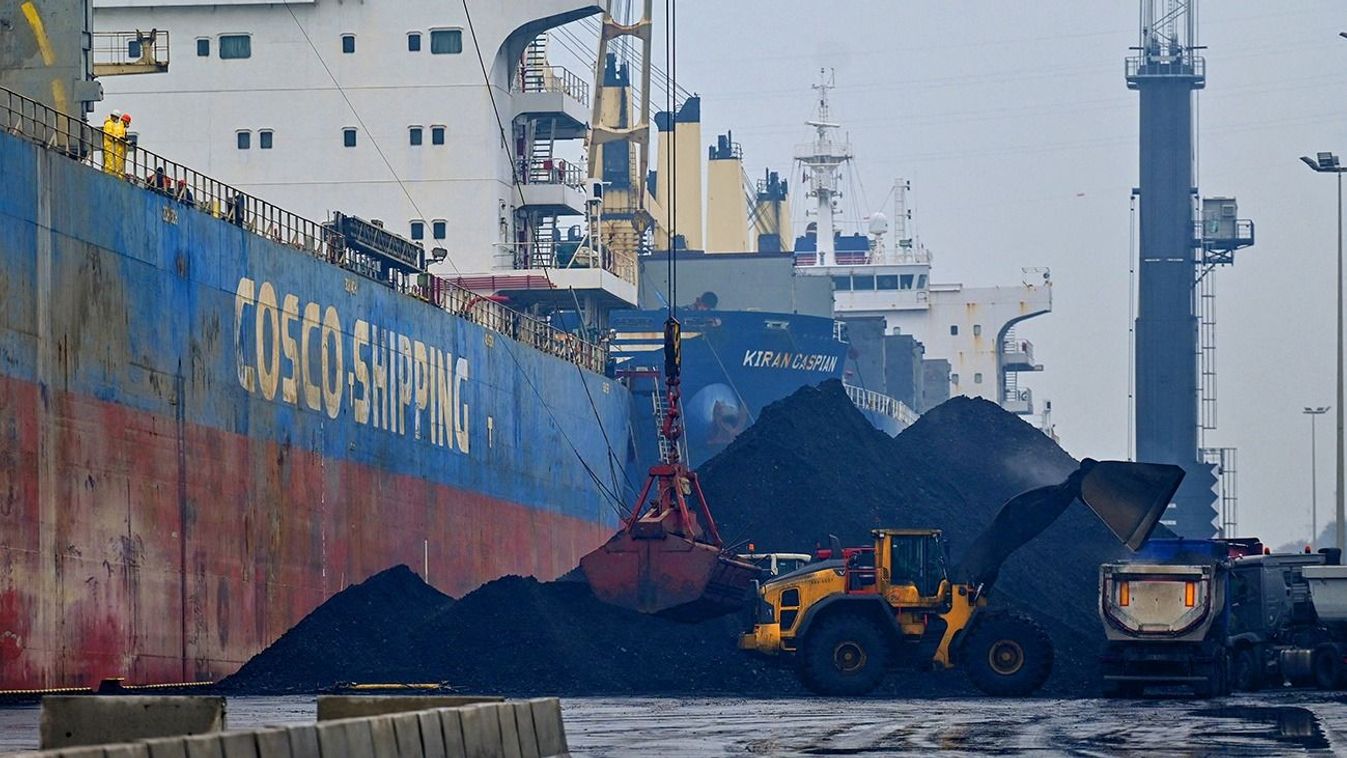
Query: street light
{"points": [[1327, 163], [1314, 413]]}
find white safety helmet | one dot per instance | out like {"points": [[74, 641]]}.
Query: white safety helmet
{"points": [[117, 115]]}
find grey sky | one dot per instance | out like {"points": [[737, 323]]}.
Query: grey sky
{"points": [[1020, 137]]}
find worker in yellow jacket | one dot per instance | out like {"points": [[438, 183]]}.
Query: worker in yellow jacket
{"points": [[111, 127]]}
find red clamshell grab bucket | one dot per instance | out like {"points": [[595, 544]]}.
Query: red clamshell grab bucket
{"points": [[669, 575], [649, 567]]}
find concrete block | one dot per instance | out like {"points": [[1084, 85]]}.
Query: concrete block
{"points": [[451, 722], [332, 707], [481, 731], [332, 739], [381, 734], [432, 734], [303, 741], [509, 731], [167, 747], [126, 750], [274, 743], [204, 746], [239, 745], [528, 738], [359, 741], [547, 725], [75, 720], [80, 752], [407, 733]]}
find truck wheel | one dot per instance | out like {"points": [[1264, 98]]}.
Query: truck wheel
{"points": [[1326, 666], [845, 655], [1217, 673], [1007, 655], [1248, 674]]}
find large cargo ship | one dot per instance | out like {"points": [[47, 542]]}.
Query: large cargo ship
{"points": [[735, 363], [215, 414]]}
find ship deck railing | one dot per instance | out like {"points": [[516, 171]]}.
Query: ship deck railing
{"points": [[83, 142], [878, 402], [553, 79]]}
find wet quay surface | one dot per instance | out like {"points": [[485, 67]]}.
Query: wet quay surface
{"points": [[1277, 723]]}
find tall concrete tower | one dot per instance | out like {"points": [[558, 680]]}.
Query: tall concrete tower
{"points": [[1167, 71]]}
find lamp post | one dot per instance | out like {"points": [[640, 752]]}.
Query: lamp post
{"points": [[1314, 413], [1327, 163]]}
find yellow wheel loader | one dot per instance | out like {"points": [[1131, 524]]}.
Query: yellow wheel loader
{"points": [[847, 620]]}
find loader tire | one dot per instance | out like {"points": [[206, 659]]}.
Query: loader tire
{"points": [[1007, 654], [843, 656], [1326, 666]]}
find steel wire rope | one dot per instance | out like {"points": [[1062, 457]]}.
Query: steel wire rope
{"points": [[359, 120], [616, 502]]}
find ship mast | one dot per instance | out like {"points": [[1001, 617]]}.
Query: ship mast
{"points": [[823, 160]]}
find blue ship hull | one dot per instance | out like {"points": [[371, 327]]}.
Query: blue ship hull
{"points": [[735, 363], [205, 433]]}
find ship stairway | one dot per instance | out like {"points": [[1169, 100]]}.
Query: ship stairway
{"points": [[542, 168], [533, 74]]}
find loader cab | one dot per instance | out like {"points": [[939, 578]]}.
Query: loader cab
{"points": [[910, 564]]}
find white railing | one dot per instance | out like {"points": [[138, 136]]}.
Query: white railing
{"points": [[878, 402], [87, 144]]}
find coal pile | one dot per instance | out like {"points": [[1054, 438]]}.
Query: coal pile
{"points": [[811, 465], [360, 634]]}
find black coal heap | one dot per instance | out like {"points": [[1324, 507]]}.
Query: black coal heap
{"points": [[810, 466]]}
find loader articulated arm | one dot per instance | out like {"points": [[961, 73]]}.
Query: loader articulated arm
{"points": [[1128, 497]]}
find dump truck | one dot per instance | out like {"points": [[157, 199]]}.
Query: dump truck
{"points": [[1232, 617], [1166, 616], [845, 621]]}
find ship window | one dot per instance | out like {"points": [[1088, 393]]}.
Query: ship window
{"points": [[863, 282], [203, 47], [244, 139], [954, 330], [414, 42], [414, 135], [264, 139], [437, 135], [953, 378], [234, 46], [446, 41], [348, 43], [889, 282], [977, 378], [841, 283], [907, 281], [348, 136], [921, 282], [977, 330], [133, 49], [439, 229], [418, 230]]}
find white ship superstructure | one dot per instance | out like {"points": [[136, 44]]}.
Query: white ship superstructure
{"points": [[973, 328], [387, 107]]}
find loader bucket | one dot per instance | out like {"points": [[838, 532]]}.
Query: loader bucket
{"points": [[1130, 497], [670, 576]]}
